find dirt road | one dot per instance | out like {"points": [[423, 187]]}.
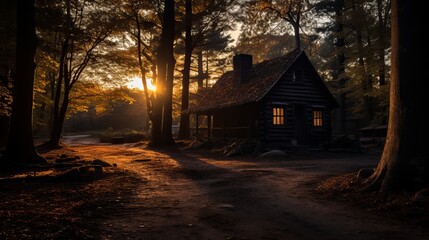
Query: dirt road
{"points": [[191, 195]]}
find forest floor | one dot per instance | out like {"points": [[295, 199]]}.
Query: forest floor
{"points": [[201, 194]]}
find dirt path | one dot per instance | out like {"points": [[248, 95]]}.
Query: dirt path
{"points": [[188, 195]]}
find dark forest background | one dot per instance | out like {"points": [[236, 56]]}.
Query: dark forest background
{"points": [[110, 42]]}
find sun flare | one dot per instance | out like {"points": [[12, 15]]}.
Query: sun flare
{"points": [[136, 82]]}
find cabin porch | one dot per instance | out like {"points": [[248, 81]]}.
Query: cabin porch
{"points": [[240, 122]]}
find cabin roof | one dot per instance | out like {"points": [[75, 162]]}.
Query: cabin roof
{"points": [[261, 78]]}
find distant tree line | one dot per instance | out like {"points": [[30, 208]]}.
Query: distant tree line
{"points": [[115, 114]]}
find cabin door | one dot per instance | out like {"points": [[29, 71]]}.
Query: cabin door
{"points": [[300, 119]]}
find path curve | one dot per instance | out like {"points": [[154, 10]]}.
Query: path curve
{"points": [[188, 195]]}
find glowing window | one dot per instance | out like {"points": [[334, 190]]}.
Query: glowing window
{"points": [[278, 116], [317, 118]]}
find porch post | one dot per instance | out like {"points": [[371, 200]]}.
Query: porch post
{"points": [[249, 132], [223, 125], [209, 125], [196, 125]]}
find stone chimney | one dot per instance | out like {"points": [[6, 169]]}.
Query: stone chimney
{"points": [[242, 66]]}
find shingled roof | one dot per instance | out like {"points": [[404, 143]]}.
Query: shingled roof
{"points": [[261, 78]]}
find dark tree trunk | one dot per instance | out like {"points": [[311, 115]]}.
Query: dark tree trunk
{"points": [[4, 129], [184, 117], [56, 126], [382, 43], [295, 22], [157, 104], [200, 71], [168, 34], [365, 78], [158, 107], [163, 105], [60, 111], [52, 97], [4, 118], [296, 26], [148, 103], [167, 136], [340, 73], [143, 73], [404, 164], [70, 71], [20, 146]]}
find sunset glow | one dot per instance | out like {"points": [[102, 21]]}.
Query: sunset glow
{"points": [[136, 82]]}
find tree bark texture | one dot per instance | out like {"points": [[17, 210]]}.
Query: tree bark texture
{"points": [[200, 71], [184, 117], [163, 105], [20, 146], [340, 73], [143, 73], [168, 34], [404, 164]]}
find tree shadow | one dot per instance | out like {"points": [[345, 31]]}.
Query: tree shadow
{"points": [[231, 195]]}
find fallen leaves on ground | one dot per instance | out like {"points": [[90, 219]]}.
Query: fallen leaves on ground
{"points": [[349, 188], [33, 209]]}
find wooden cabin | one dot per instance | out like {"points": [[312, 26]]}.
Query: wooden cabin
{"points": [[282, 101]]}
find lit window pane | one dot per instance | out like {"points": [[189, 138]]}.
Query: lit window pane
{"points": [[278, 116], [317, 118]]}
